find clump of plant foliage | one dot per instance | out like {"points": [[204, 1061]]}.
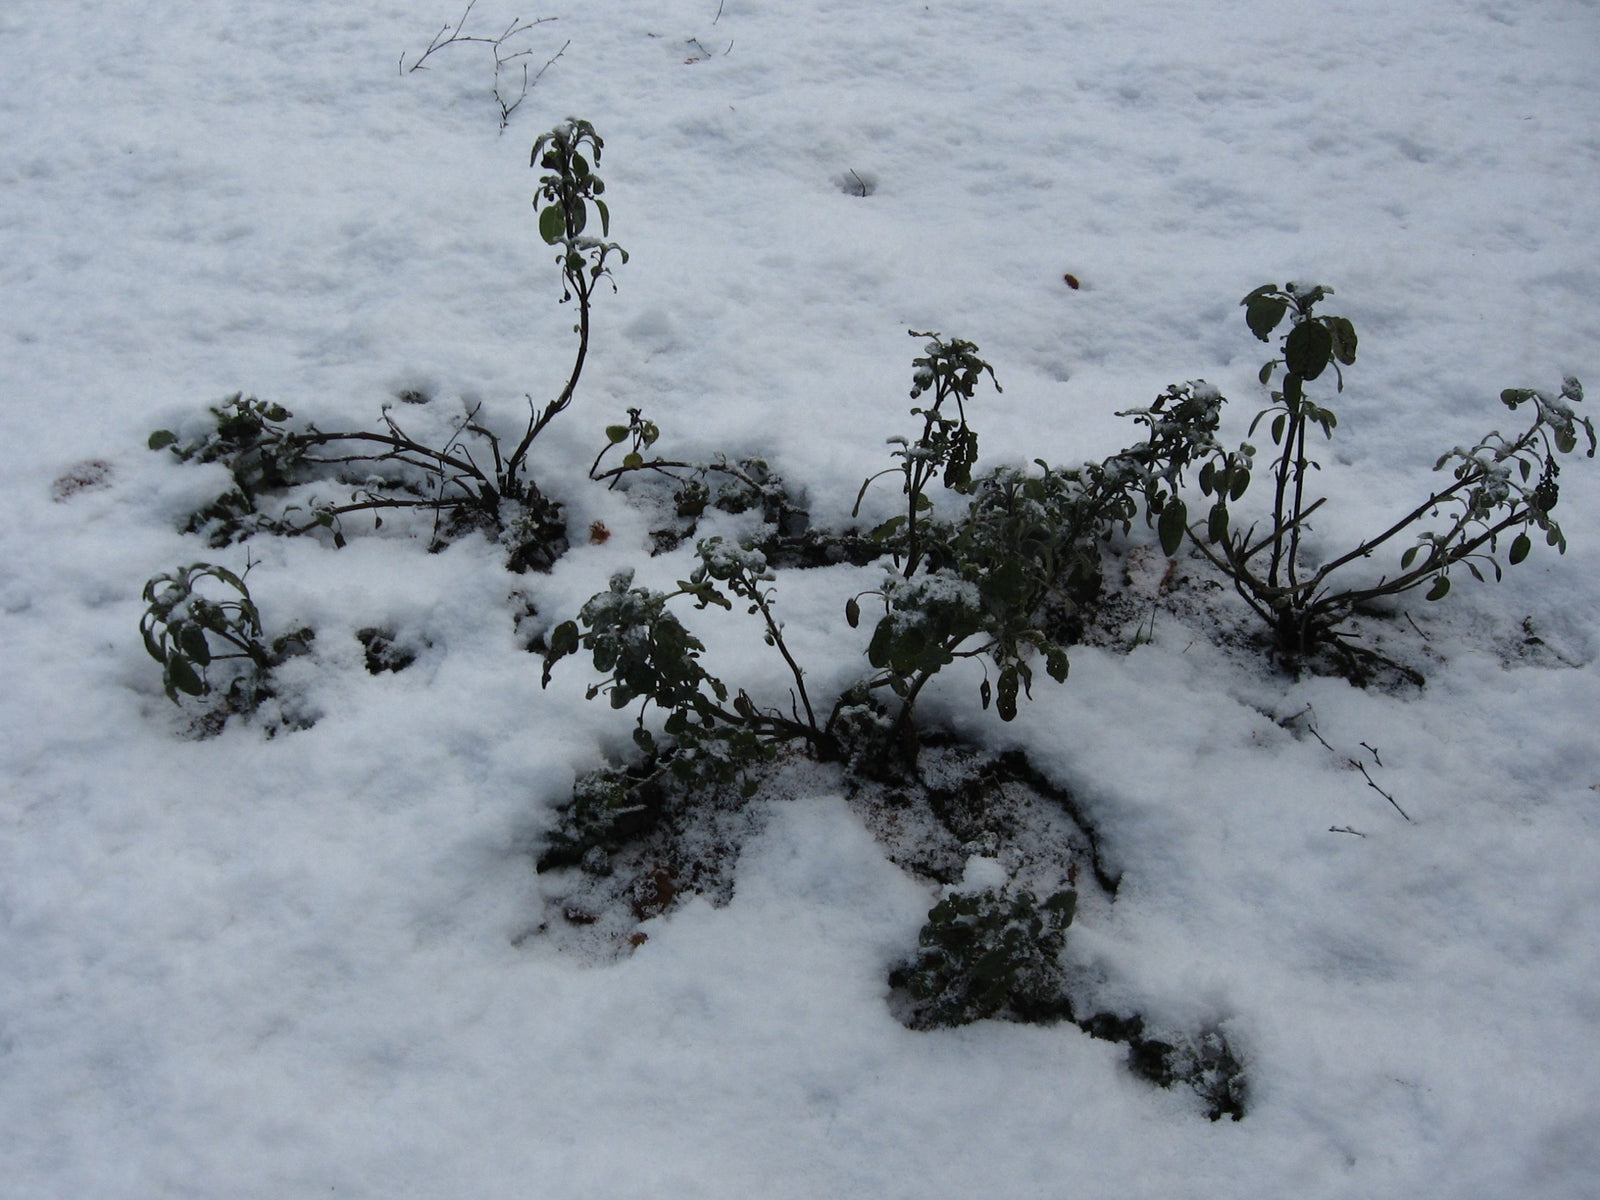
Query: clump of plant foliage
{"points": [[988, 953], [731, 486], [202, 614], [476, 478], [996, 953], [1501, 490], [976, 585]]}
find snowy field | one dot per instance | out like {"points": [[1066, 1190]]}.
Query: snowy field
{"points": [[294, 966]]}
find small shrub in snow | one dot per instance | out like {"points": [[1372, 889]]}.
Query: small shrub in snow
{"points": [[729, 486], [973, 587], [200, 615], [1502, 489], [985, 954], [646, 654], [472, 479]]}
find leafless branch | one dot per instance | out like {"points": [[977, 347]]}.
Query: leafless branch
{"points": [[504, 56]]}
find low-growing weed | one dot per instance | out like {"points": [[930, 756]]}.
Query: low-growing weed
{"points": [[1502, 489], [202, 614], [473, 479], [985, 954], [973, 587]]}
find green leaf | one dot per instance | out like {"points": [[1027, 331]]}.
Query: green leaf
{"points": [[1208, 473], [1408, 558], [852, 612], [1263, 312], [1441, 587], [985, 693], [643, 740], [192, 640], [605, 217], [1308, 349], [1278, 423], [563, 640], [1344, 338], [1520, 548], [1170, 527], [161, 438], [881, 646], [181, 675], [1006, 694], [1056, 663], [1266, 370], [1217, 525], [887, 528], [552, 225], [633, 461], [616, 433], [1240, 481]]}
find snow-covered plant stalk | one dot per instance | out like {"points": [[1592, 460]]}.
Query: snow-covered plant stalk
{"points": [[947, 448]]}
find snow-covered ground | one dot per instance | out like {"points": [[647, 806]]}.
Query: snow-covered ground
{"points": [[253, 967]]}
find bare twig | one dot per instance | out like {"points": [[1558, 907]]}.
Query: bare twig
{"points": [[1307, 719], [440, 41], [1362, 767], [528, 81], [453, 35]]}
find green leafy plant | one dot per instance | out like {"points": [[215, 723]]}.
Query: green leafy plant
{"points": [[947, 448], [646, 654], [474, 479], [980, 585], [730, 486], [200, 615], [998, 583], [1501, 490], [988, 953]]}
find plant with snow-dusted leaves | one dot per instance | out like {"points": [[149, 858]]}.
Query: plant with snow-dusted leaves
{"points": [[203, 614], [729, 485], [1502, 489], [474, 479], [975, 586], [985, 953]]}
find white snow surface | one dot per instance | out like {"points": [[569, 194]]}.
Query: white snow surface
{"points": [[298, 966]]}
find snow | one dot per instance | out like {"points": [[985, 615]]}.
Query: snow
{"points": [[249, 966]]}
